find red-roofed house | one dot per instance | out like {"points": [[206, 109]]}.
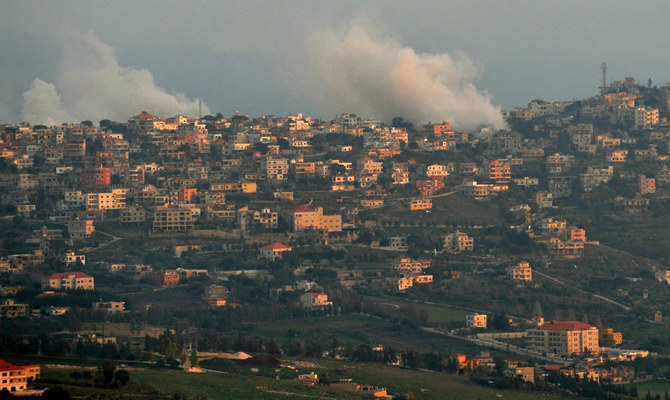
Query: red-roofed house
{"points": [[69, 281], [564, 338], [273, 251], [315, 300]]}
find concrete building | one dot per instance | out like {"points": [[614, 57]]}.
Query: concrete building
{"points": [[520, 272], [80, 229], [499, 171], [273, 251], [646, 185], [475, 321], [457, 242], [420, 204], [172, 218], [564, 338], [15, 378], [110, 307], [304, 217], [315, 300], [11, 309], [68, 281]]}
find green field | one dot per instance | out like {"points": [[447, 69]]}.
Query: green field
{"points": [[212, 385], [655, 387]]}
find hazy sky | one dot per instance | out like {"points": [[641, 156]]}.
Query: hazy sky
{"points": [[259, 57]]}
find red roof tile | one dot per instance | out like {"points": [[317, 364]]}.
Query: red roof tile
{"points": [[301, 209], [566, 326], [276, 246], [61, 275]]}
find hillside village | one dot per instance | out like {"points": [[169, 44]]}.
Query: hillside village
{"points": [[534, 254]]}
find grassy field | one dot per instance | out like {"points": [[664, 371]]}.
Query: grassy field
{"points": [[655, 387], [436, 313], [121, 329], [213, 385]]}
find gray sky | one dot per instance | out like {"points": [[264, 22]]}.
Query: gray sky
{"points": [[251, 56]]}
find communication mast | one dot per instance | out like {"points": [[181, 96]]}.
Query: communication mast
{"points": [[604, 69]]}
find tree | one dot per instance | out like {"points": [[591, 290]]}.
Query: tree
{"points": [[107, 369], [76, 375], [122, 376]]}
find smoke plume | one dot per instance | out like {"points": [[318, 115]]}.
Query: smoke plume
{"points": [[91, 85], [383, 79]]}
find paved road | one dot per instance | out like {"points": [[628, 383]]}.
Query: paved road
{"points": [[114, 239], [498, 345]]}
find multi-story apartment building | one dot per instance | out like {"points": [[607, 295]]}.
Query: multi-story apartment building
{"points": [[11, 309], [429, 186], [305, 218], [96, 178], [80, 229], [368, 166], [133, 215], [114, 200], [173, 218], [646, 185], [645, 117], [564, 338], [593, 177], [68, 281], [15, 378], [437, 171], [275, 168], [520, 272], [479, 191], [609, 338], [499, 171], [457, 242], [420, 204]]}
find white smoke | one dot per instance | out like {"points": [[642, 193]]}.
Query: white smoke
{"points": [[91, 85], [383, 79]]}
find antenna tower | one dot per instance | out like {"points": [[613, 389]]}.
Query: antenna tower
{"points": [[604, 68], [199, 109]]}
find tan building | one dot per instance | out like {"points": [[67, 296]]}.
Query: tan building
{"points": [[110, 307], [275, 168], [479, 191], [367, 165], [646, 185], [564, 338], [475, 321], [499, 171], [609, 338], [15, 378], [69, 281], [133, 215], [80, 229], [172, 218], [458, 241], [437, 171], [306, 218], [521, 272], [315, 300], [71, 258], [420, 204], [273, 251], [11, 309], [106, 201]]}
